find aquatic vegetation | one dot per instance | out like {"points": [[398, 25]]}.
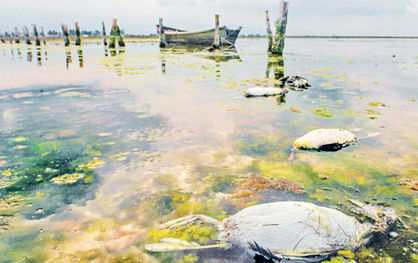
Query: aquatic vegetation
{"points": [[172, 125], [67, 178], [252, 183], [322, 112], [294, 110]]}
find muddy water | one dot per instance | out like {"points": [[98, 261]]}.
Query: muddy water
{"points": [[98, 147]]}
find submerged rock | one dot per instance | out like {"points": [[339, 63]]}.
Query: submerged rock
{"points": [[325, 140], [264, 91]]}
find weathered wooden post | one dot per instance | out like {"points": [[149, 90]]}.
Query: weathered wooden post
{"points": [[281, 23], [26, 32], [65, 35], [217, 37], [17, 36], [43, 35], [115, 33], [268, 29], [161, 33], [8, 36], [77, 34], [104, 34], [36, 34]]}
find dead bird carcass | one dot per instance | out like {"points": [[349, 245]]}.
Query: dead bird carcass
{"points": [[295, 82], [325, 140], [288, 230], [264, 92]]}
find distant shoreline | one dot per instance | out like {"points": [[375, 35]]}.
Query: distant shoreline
{"points": [[345, 37], [131, 37]]}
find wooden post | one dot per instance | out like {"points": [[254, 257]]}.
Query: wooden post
{"points": [[77, 34], [9, 36], [43, 35], [104, 34], [161, 33], [36, 34], [217, 37], [17, 36], [112, 41], [26, 32], [278, 43], [115, 33], [268, 29], [65, 35]]}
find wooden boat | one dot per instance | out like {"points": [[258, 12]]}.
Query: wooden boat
{"points": [[175, 36]]}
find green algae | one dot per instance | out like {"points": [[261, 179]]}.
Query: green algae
{"points": [[322, 112], [195, 232], [67, 178]]}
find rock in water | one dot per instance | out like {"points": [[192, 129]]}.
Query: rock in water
{"points": [[264, 91], [325, 140]]}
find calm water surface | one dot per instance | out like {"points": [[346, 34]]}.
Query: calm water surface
{"points": [[98, 147]]}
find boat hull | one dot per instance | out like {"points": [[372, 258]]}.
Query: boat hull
{"points": [[203, 38]]}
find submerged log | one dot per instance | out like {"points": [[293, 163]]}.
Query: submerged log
{"points": [[65, 35], [104, 34], [161, 33], [36, 34], [26, 32], [280, 25], [217, 37], [77, 34]]}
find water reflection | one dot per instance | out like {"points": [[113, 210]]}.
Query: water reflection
{"points": [[277, 64], [29, 55], [39, 55], [80, 58]]}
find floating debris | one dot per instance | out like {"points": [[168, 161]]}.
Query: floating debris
{"points": [[264, 92], [310, 230], [410, 184], [325, 140], [295, 82]]}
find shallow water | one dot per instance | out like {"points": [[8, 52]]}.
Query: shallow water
{"points": [[99, 147]]}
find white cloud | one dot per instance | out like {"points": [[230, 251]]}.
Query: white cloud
{"points": [[412, 6], [326, 17]]}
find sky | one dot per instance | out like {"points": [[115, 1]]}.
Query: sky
{"points": [[306, 17]]}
